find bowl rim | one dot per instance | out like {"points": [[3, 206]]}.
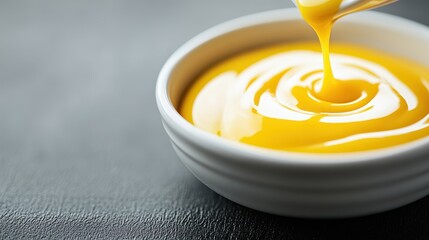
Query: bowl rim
{"points": [[248, 153]]}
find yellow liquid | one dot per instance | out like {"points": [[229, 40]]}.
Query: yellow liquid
{"points": [[320, 14], [285, 97]]}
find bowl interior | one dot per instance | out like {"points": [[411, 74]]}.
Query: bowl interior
{"points": [[371, 29]]}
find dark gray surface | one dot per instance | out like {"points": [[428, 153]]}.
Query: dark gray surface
{"points": [[82, 150]]}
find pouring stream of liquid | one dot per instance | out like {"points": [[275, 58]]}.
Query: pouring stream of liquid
{"points": [[321, 15]]}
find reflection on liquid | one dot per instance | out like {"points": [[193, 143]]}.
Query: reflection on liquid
{"points": [[269, 98]]}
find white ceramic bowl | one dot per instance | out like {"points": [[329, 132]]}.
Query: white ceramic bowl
{"points": [[285, 183]]}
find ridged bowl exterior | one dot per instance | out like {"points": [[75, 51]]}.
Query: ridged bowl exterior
{"points": [[291, 184]]}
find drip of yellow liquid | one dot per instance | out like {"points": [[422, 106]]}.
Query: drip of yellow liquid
{"points": [[320, 15], [285, 97]]}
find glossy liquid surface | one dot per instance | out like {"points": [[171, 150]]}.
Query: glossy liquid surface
{"points": [[287, 97], [320, 15]]}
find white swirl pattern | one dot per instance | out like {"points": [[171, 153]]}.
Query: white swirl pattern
{"points": [[281, 86]]}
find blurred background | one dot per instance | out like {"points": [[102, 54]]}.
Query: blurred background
{"points": [[82, 149]]}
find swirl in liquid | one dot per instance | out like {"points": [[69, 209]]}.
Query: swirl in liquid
{"points": [[286, 97]]}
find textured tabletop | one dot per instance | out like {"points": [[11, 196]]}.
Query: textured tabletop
{"points": [[82, 150]]}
